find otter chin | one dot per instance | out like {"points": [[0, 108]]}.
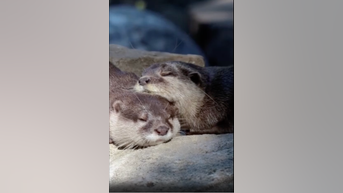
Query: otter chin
{"points": [[138, 119], [203, 95]]}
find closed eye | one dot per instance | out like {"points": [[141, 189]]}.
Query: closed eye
{"points": [[142, 119], [166, 73]]}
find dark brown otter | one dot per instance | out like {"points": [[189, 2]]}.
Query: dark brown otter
{"points": [[138, 119], [203, 95]]}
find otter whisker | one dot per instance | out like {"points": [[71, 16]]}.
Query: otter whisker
{"points": [[131, 45], [209, 96], [177, 44]]}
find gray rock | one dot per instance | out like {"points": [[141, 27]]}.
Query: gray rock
{"points": [[186, 163], [133, 60]]}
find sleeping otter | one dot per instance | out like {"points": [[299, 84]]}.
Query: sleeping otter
{"points": [[203, 95]]}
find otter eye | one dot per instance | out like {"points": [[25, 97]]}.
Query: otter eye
{"points": [[166, 73], [143, 117]]}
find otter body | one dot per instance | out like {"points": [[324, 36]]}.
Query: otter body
{"points": [[203, 95], [138, 119]]}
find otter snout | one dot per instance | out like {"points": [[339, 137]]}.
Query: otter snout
{"points": [[162, 130], [144, 80]]}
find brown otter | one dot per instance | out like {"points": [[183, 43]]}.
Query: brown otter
{"points": [[138, 119], [203, 95]]}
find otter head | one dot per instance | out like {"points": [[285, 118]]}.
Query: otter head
{"points": [[141, 120], [173, 80]]}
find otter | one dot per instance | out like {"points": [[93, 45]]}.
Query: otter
{"points": [[203, 95], [137, 119]]}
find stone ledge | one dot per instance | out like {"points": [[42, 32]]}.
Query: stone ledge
{"points": [[133, 60], [186, 163]]}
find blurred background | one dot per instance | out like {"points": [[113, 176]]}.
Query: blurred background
{"points": [[203, 27]]}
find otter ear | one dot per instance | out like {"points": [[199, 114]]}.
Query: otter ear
{"points": [[195, 78], [118, 106]]}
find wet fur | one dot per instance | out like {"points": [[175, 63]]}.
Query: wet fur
{"points": [[204, 96], [126, 107]]}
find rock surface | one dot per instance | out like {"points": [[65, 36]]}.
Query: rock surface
{"points": [[186, 163], [133, 60]]}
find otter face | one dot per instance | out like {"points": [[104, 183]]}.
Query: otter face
{"points": [[171, 80], [142, 120]]}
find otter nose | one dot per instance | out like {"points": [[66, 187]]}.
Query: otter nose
{"points": [[162, 130], [144, 80]]}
